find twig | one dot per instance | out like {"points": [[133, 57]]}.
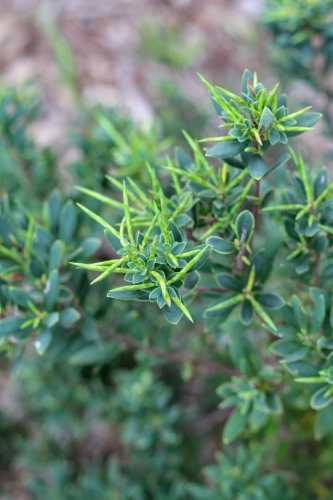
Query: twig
{"points": [[173, 357], [207, 422], [213, 291]]}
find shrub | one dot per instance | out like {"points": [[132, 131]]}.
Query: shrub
{"points": [[232, 241]]}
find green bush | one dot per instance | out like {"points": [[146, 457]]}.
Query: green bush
{"points": [[210, 311]]}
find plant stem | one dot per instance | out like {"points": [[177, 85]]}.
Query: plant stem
{"points": [[173, 357], [213, 291]]}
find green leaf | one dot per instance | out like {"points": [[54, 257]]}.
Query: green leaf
{"points": [[323, 424], [68, 317], [273, 136], [68, 222], [102, 198], [266, 120], [244, 225], [198, 262], [228, 281], [53, 206], [269, 300], [273, 402], [191, 280], [177, 234], [301, 368], [246, 314], [320, 183], [6, 231], [331, 317], [247, 77], [297, 309], [256, 167], [98, 219], [225, 304], [193, 264], [88, 247], [181, 306], [17, 296], [319, 310], [173, 314], [43, 340], [220, 245], [235, 163], [128, 293], [55, 255], [44, 237], [11, 325], [291, 350], [284, 347], [278, 163], [324, 343], [234, 426], [261, 312], [226, 149], [310, 380], [257, 419], [183, 159], [52, 319], [321, 398], [308, 119], [51, 291], [96, 354], [113, 240]]}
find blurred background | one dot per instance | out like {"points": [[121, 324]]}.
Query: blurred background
{"points": [[139, 56]]}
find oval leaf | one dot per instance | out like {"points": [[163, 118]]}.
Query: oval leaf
{"points": [[43, 340], [96, 354], [68, 221], [11, 325], [226, 149], [269, 300], [228, 281], [68, 317], [51, 290], [246, 314], [191, 280], [256, 167], [220, 245], [173, 314], [244, 226], [323, 397], [128, 295], [234, 426]]}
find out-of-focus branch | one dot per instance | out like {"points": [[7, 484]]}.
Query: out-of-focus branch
{"points": [[172, 357]]}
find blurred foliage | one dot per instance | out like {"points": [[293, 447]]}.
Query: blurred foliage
{"points": [[115, 401], [302, 48], [174, 107], [25, 168], [167, 44]]}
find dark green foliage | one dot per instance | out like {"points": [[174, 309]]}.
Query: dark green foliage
{"points": [[24, 167], [238, 238]]}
